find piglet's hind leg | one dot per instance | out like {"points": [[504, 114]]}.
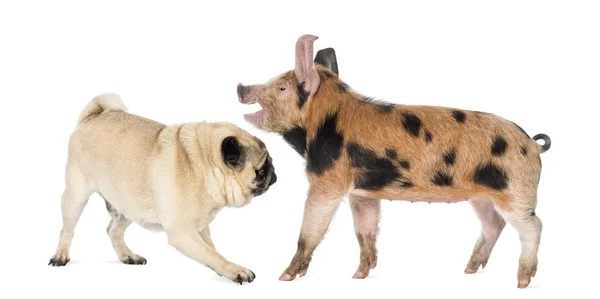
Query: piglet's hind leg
{"points": [[492, 225], [529, 227]]}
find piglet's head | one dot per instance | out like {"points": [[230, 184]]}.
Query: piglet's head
{"points": [[282, 98]]}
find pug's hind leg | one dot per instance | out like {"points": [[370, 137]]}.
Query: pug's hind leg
{"points": [[116, 231], [74, 200], [189, 243], [205, 234]]}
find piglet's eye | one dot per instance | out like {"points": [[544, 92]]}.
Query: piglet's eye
{"points": [[282, 88]]}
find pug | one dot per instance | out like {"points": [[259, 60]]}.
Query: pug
{"points": [[164, 178]]}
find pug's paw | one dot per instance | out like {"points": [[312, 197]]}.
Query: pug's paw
{"points": [[133, 260], [236, 273], [59, 259]]}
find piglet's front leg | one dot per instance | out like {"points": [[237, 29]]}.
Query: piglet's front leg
{"points": [[365, 212], [318, 211]]}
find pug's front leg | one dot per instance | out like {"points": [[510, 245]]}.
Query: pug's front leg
{"points": [[189, 243], [205, 234]]}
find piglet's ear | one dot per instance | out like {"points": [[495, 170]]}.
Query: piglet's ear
{"points": [[305, 67], [232, 152], [326, 57]]}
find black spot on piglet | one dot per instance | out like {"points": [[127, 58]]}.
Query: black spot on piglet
{"points": [[523, 150], [459, 116], [405, 184], [383, 106], [302, 95], [489, 175], [296, 137], [325, 148], [499, 146], [442, 179], [343, 87], [405, 164], [391, 153], [428, 136], [376, 172], [411, 123], [450, 156]]}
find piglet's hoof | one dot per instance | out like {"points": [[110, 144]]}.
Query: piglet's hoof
{"points": [[525, 275], [286, 277], [368, 261], [473, 267], [298, 266]]}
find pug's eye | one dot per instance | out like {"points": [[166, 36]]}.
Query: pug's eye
{"points": [[281, 88], [261, 173]]}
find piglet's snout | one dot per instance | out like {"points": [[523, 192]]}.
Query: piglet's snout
{"points": [[243, 97]]}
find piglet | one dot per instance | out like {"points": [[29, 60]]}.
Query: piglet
{"points": [[370, 150]]}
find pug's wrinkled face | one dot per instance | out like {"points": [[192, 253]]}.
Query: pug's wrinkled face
{"points": [[252, 166]]}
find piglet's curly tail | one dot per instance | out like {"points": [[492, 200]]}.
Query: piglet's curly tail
{"points": [[546, 146]]}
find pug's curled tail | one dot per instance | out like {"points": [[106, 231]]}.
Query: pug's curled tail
{"points": [[101, 103]]}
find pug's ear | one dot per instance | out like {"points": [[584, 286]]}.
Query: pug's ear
{"points": [[326, 57], [232, 152]]}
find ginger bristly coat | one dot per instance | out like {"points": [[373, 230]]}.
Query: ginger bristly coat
{"points": [[369, 150]]}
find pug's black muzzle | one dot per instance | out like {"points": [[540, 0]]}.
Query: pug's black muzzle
{"points": [[264, 186]]}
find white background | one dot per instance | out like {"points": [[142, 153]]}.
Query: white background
{"points": [[536, 63]]}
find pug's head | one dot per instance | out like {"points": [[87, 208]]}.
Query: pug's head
{"points": [[247, 166]]}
